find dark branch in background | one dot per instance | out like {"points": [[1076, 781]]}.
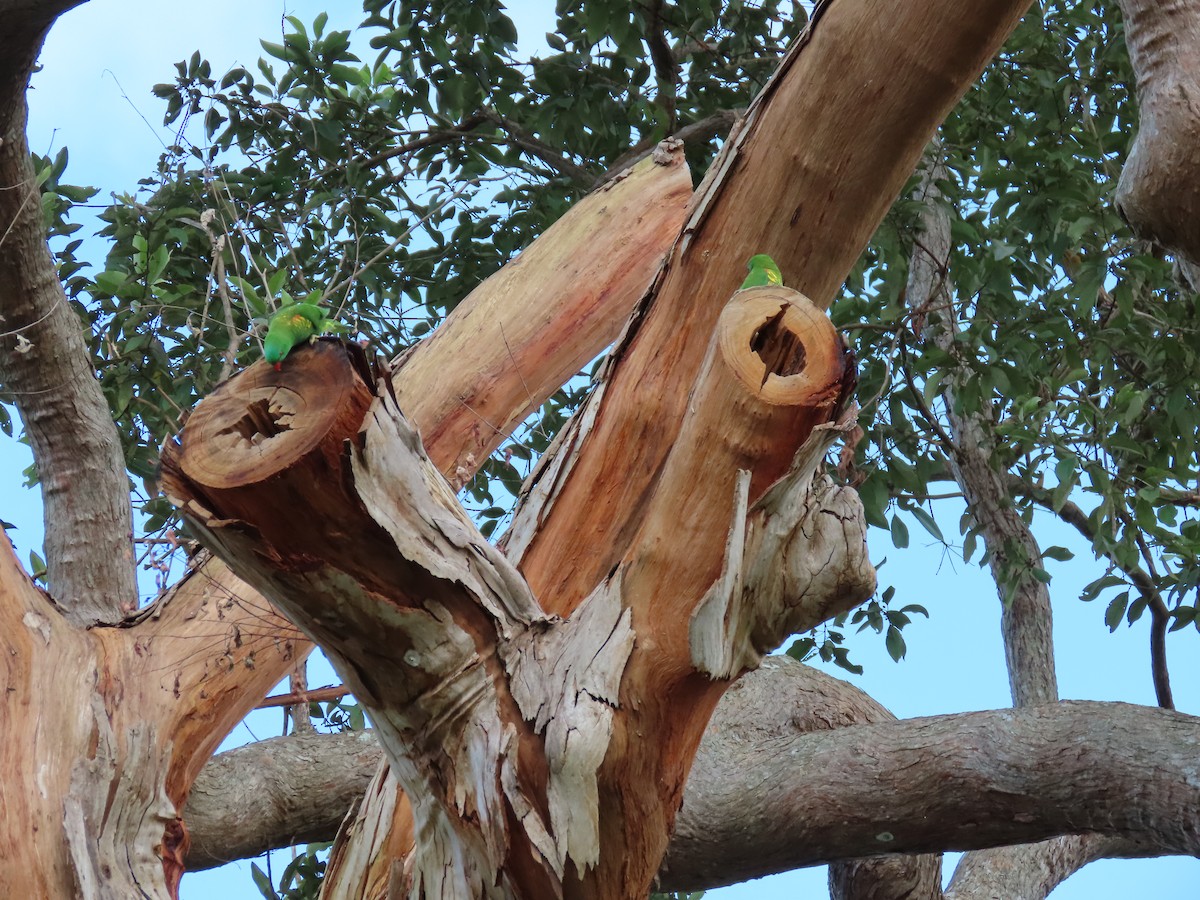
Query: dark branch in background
{"points": [[435, 137], [719, 123], [1160, 616], [534, 147], [666, 69], [466, 130], [316, 695]]}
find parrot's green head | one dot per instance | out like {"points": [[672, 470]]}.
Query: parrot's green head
{"points": [[764, 263], [275, 348]]}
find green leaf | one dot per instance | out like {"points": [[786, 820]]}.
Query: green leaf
{"points": [[262, 882], [899, 533], [928, 522], [1062, 554], [37, 567], [801, 649], [895, 644], [1116, 611]]}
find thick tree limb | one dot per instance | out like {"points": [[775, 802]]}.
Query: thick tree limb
{"points": [[1159, 190], [1032, 871], [46, 371], [277, 793], [997, 766], [1026, 622], [963, 782]]}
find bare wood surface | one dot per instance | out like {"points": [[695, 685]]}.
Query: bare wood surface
{"points": [[806, 179], [521, 334]]}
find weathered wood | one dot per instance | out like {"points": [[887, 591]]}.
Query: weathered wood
{"points": [[95, 777], [526, 330], [807, 179], [495, 718]]}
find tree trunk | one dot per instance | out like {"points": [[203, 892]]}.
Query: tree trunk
{"points": [[101, 771], [536, 775]]}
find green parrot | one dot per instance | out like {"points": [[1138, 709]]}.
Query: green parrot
{"points": [[291, 325], [762, 271]]}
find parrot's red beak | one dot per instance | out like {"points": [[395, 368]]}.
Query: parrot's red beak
{"points": [[279, 366]]}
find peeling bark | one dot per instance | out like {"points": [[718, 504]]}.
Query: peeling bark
{"points": [[725, 833], [96, 778], [491, 712]]}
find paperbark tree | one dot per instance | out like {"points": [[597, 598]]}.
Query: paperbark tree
{"points": [[542, 705]]}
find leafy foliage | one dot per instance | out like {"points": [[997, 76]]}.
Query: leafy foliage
{"points": [[393, 167], [300, 879]]}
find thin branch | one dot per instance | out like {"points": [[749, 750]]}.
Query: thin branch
{"points": [[1160, 615], [349, 279], [530, 144], [719, 123], [316, 695]]}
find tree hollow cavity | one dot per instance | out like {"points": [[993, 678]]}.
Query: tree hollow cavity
{"points": [[781, 349], [260, 422]]}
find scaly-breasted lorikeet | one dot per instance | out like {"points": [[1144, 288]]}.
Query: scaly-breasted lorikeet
{"points": [[291, 325], [762, 271]]}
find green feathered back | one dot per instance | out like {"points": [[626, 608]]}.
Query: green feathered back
{"points": [[291, 325], [762, 271]]}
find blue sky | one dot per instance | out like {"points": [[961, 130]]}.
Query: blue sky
{"points": [[94, 97]]}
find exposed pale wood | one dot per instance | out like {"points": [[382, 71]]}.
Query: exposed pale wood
{"points": [[545, 315], [209, 652], [96, 776], [806, 179]]}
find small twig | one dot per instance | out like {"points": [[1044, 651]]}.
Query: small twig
{"points": [[230, 355], [948, 445], [317, 695], [530, 144], [298, 711], [396, 243]]}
